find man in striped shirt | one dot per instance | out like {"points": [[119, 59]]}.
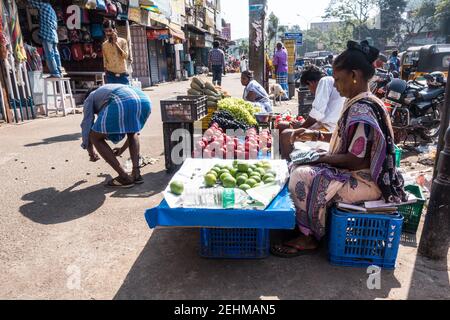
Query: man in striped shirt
{"points": [[217, 63], [48, 25]]}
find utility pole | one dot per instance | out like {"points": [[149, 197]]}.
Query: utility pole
{"points": [[435, 239], [257, 58]]}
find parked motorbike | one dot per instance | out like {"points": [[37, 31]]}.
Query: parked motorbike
{"points": [[415, 107], [380, 82]]}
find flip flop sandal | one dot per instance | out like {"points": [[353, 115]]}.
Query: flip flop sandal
{"points": [[118, 183], [277, 250]]}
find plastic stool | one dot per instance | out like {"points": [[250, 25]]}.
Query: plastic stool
{"points": [[61, 90]]}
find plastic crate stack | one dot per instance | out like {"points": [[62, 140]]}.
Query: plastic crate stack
{"points": [[180, 113]]}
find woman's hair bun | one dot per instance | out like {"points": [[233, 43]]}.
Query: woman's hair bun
{"points": [[371, 53]]}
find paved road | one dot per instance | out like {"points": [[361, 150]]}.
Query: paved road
{"points": [[59, 224]]}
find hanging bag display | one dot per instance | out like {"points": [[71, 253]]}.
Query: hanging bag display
{"points": [[66, 54], [63, 34], [97, 31], [74, 36], [77, 52], [101, 5], [85, 34]]}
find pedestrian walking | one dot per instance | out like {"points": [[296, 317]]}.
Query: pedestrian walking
{"points": [[122, 112], [115, 55], [48, 26], [280, 62], [217, 63]]}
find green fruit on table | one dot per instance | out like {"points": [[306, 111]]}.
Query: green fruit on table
{"points": [[256, 178], [235, 163], [229, 182], [177, 188], [271, 172], [241, 180], [258, 185], [267, 176], [228, 168], [210, 180], [224, 176], [242, 174], [213, 173], [215, 169], [250, 171], [256, 173], [253, 167], [234, 172], [243, 167], [244, 187], [251, 182], [267, 166], [223, 171], [269, 180], [261, 171]]}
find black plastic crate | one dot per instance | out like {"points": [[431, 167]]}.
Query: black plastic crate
{"points": [[184, 109], [168, 130]]}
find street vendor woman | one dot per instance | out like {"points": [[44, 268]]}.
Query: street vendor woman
{"points": [[360, 165], [122, 111], [255, 93]]}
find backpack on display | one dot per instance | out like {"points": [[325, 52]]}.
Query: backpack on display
{"points": [[101, 5], [97, 31], [74, 36], [77, 52], [98, 49], [66, 53], [63, 34], [88, 50], [85, 16], [59, 14], [111, 9]]}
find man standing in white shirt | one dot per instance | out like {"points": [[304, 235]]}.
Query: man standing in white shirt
{"points": [[326, 108]]}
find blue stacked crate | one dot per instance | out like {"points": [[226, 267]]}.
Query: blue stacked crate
{"points": [[222, 243], [362, 240]]}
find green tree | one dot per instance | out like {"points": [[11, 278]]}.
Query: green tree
{"points": [[418, 20], [272, 31], [355, 13], [391, 12], [442, 17]]}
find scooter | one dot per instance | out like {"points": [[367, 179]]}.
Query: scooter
{"points": [[415, 108]]}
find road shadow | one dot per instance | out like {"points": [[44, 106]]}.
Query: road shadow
{"points": [[57, 139], [50, 206], [169, 267]]}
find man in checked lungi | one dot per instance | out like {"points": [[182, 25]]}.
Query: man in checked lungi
{"points": [[280, 63], [122, 112]]}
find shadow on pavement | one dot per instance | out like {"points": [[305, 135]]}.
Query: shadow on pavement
{"points": [[50, 206], [57, 139], [169, 267]]}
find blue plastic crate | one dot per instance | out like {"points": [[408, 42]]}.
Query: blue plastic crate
{"points": [[227, 243], [362, 240]]}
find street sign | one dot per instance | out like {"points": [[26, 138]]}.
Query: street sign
{"points": [[293, 36]]}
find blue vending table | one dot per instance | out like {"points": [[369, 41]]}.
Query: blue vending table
{"points": [[279, 215]]}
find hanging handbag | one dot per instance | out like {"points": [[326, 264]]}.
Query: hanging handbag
{"points": [[85, 34], [97, 31], [66, 53], [77, 52], [74, 36], [111, 9], [88, 50], [85, 16], [101, 5]]}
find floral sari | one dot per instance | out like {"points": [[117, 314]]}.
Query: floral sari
{"points": [[364, 130]]}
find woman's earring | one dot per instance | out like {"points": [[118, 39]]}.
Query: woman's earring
{"points": [[354, 82]]}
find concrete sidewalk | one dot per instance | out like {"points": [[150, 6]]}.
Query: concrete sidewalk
{"points": [[64, 235]]}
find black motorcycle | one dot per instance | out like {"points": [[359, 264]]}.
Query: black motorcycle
{"points": [[415, 108]]}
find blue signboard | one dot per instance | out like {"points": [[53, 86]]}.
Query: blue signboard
{"points": [[293, 36], [256, 7]]}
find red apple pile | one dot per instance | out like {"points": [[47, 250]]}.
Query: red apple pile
{"points": [[216, 144]]}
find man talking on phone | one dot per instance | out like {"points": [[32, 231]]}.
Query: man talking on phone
{"points": [[115, 55]]}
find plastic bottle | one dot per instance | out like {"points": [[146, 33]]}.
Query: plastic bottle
{"points": [[128, 166], [215, 198]]}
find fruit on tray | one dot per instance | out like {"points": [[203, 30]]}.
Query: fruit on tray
{"points": [[177, 188], [242, 175], [217, 144], [240, 109]]}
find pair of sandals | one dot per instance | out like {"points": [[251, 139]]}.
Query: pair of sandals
{"points": [[119, 182], [292, 250]]}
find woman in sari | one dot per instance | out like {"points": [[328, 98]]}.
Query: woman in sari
{"points": [[360, 165], [255, 93]]}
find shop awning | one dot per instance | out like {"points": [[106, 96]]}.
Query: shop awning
{"points": [[196, 29], [176, 32]]}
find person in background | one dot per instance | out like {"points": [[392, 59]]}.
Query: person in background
{"points": [[48, 26], [255, 93], [280, 63], [217, 63], [326, 107], [244, 64], [115, 55], [394, 62], [122, 111], [360, 165]]}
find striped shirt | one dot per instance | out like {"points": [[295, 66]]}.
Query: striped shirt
{"points": [[216, 58], [48, 22]]}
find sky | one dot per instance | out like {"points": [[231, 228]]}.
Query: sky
{"points": [[236, 12]]}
